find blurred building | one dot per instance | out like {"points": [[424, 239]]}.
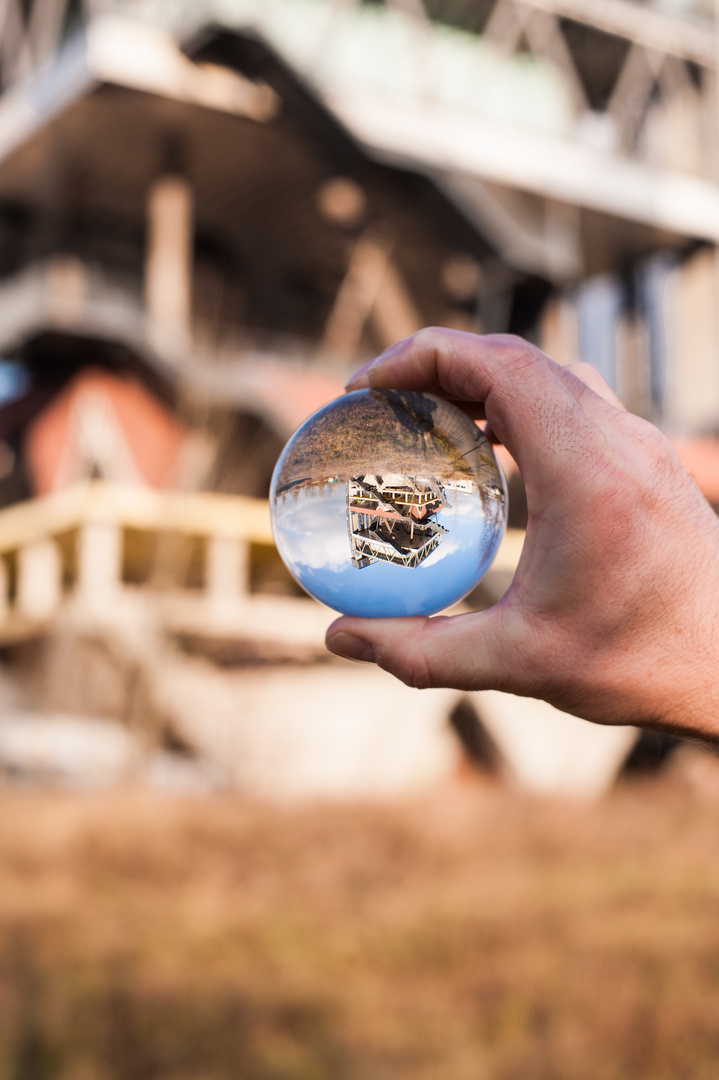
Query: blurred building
{"points": [[208, 215]]}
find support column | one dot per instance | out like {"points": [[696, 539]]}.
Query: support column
{"points": [[4, 591], [99, 562], [168, 260], [39, 588], [227, 571]]}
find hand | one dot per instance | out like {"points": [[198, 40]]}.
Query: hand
{"points": [[613, 613]]}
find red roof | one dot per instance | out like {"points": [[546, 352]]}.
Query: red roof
{"points": [[103, 424]]}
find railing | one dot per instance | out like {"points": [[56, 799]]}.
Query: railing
{"points": [[74, 543], [72, 546]]}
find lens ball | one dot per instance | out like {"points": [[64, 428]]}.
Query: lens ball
{"points": [[387, 503]]}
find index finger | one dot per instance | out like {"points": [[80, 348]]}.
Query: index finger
{"points": [[527, 402]]}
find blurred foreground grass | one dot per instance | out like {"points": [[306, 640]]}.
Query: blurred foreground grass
{"points": [[468, 935]]}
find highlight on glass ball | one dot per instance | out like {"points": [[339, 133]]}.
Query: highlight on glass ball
{"points": [[388, 503]]}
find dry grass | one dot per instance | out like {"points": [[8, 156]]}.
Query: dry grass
{"points": [[470, 935]]}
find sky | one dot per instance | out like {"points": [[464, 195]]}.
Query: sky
{"points": [[311, 535]]}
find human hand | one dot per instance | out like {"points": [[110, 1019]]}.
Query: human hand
{"points": [[613, 613]]}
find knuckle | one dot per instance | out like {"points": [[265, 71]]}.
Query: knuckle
{"points": [[419, 676], [412, 664], [428, 336], [519, 343], [653, 439], [656, 463], [413, 670], [515, 347], [635, 475]]}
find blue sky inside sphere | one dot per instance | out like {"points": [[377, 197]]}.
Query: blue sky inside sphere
{"points": [[312, 537]]}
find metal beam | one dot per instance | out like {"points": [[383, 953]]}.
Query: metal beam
{"points": [[639, 23], [545, 253], [16, 59], [504, 26], [545, 38], [45, 29], [632, 89], [569, 173]]}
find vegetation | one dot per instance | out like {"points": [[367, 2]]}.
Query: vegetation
{"points": [[469, 935]]}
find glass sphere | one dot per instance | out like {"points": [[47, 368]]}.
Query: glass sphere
{"points": [[388, 502]]}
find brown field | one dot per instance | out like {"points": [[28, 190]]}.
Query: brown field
{"points": [[469, 935]]}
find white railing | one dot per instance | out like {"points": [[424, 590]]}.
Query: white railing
{"points": [[71, 545], [69, 548]]}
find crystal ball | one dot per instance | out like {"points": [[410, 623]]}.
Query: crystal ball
{"points": [[388, 503]]}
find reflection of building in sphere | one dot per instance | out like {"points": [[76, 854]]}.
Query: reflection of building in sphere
{"points": [[493, 499], [462, 484], [492, 495], [391, 518], [388, 479]]}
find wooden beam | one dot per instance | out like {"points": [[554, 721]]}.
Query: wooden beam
{"points": [[202, 514], [357, 294], [394, 313], [373, 288], [168, 262]]}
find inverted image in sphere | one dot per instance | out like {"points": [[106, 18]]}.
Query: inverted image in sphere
{"points": [[387, 503]]}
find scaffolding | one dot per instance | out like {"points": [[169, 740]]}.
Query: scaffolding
{"points": [[392, 519]]}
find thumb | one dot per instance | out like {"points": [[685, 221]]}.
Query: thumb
{"points": [[478, 650]]}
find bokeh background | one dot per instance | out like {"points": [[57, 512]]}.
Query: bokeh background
{"points": [[224, 853]]}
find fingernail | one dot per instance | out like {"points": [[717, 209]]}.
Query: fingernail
{"points": [[351, 647], [359, 378]]}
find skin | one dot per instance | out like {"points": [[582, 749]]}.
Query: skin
{"points": [[613, 611]]}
